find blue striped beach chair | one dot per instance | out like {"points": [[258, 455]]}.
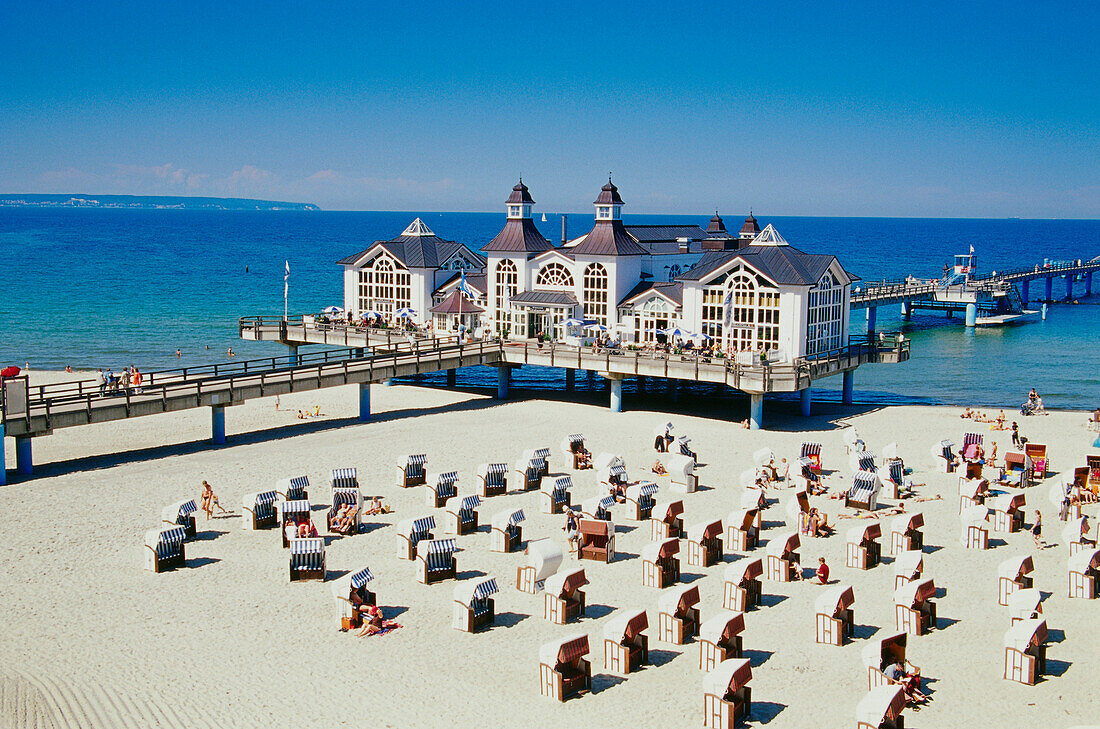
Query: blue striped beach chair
{"points": [[342, 495], [864, 491], [344, 478], [555, 496], [506, 534], [640, 497], [572, 447], [442, 486], [307, 559], [259, 510], [598, 508], [350, 592], [462, 514], [181, 513], [473, 604], [812, 451], [863, 461], [293, 489], [493, 478], [165, 549], [530, 469], [435, 560], [411, 532], [412, 470], [291, 511]]}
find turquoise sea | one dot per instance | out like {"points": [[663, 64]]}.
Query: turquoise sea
{"points": [[109, 288]]}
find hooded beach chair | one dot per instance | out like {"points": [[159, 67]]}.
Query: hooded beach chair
{"points": [[530, 470], [345, 589], [293, 489], [892, 478], [435, 560], [297, 511], [684, 444], [1026, 651], [1026, 604], [554, 496], [727, 696], [853, 442], [473, 604], [881, 708], [563, 599], [181, 513], [1075, 537], [611, 470], [506, 534], [350, 496], [164, 548], [340, 478], [834, 614], [741, 590], [598, 508], [810, 477], [493, 479], [972, 492], [743, 530], [908, 566], [1008, 512], [812, 452], [969, 441], [625, 644], [596, 540], [943, 456], [544, 556], [412, 470], [1014, 574], [1093, 464], [1062, 497], [259, 510], [462, 514], [1084, 574], [798, 512], [541, 457], [763, 458], [572, 447], [440, 487], [668, 524], [914, 609], [639, 499], [881, 653], [563, 669], [662, 436], [704, 543], [863, 461], [677, 616], [1019, 469], [660, 566], [681, 474], [863, 551], [307, 559], [782, 556], [1039, 460], [906, 534], [975, 528], [864, 491], [410, 532], [720, 638]]}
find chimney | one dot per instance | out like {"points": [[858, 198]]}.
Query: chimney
{"points": [[564, 236]]}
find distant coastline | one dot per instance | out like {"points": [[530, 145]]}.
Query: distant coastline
{"points": [[146, 202]]}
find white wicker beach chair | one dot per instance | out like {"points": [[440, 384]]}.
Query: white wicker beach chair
{"points": [[625, 644], [165, 548], [473, 604], [727, 697], [720, 638], [834, 615], [563, 669], [742, 591], [543, 559]]}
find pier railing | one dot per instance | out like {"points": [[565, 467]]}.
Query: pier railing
{"points": [[299, 322]]}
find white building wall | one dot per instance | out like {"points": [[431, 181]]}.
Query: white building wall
{"points": [[692, 307], [792, 321], [351, 289]]}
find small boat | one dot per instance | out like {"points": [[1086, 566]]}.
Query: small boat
{"points": [[544, 217]]}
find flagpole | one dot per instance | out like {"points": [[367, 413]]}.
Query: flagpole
{"points": [[286, 288]]}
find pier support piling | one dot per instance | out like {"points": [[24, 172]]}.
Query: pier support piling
{"points": [[570, 379], [450, 378], [641, 384], [504, 374], [3, 459], [616, 394], [293, 350], [907, 310], [217, 424], [1050, 289], [24, 462], [673, 388], [971, 315], [872, 315], [805, 401], [1025, 289], [849, 387], [756, 410], [1088, 284], [1069, 287], [388, 382], [364, 402]]}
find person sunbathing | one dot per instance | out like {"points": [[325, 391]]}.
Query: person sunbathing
{"points": [[659, 468], [819, 524], [343, 520], [375, 507], [999, 423], [373, 622], [584, 459], [909, 682], [618, 492], [306, 529]]}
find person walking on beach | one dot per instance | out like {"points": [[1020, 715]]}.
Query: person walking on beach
{"points": [[1016, 436], [208, 500], [1037, 529]]}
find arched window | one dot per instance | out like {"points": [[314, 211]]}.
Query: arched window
{"points": [[595, 293], [383, 287], [506, 282], [751, 313], [825, 316], [555, 276]]}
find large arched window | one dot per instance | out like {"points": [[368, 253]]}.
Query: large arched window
{"points": [[825, 316], [506, 281], [595, 293], [555, 276], [383, 287], [751, 313]]}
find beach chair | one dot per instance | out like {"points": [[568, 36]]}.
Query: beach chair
{"points": [[293, 489], [344, 590], [493, 479], [752, 497], [975, 528], [435, 560], [914, 609], [669, 524], [881, 708], [1093, 463], [1084, 574], [345, 495], [259, 510], [743, 530], [625, 644], [563, 669], [906, 534], [863, 551], [506, 534], [554, 495], [677, 616], [863, 461], [596, 540], [943, 456], [412, 470], [1026, 604], [181, 513], [340, 478], [798, 512], [1026, 651], [165, 547], [864, 491], [474, 607], [1038, 454], [742, 591], [1008, 512], [1012, 575], [810, 477], [1061, 496], [853, 443], [684, 445], [908, 567], [660, 567], [662, 436], [462, 514], [611, 470], [307, 559], [1019, 469], [563, 599], [972, 492], [1074, 535], [681, 474], [781, 558], [440, 488], [598, 508], [543, 559], [883, 652], [812, 452], [834, 614], [288, 511], [762, 458], [530, 471], [892, 478], [572, 447], [541, 457], [970, 440], [410, 532], [727, 697], [720, 639], [704, 543], [639, 499]]}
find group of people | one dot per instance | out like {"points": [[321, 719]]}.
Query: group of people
{"points": [[113, 383], [1034, 404], [299, 528], [208, 501]]}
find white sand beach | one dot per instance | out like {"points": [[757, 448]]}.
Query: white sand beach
{"points": [[91, 637]]}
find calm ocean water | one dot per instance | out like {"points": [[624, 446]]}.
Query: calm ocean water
{"points": [[106, 288]]}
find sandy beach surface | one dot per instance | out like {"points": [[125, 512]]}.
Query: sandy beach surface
{"points": [[91, 638]]}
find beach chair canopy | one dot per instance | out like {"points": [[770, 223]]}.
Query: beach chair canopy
{"points": [[179, 510], [1007, 502], [168, 536], [445, 480], [680, 466], [882, 703], [616, 470], [290, 488], [563, 584], [729, 675], [782, 544], [1014, 568], [868, 531], [1016, 461], [299, 506], [345, 495], [626, 625], [492, 472], [543, 453], [563, 650], [943, 449], [705, 530], [863, 461], [743, 519], [805, 462], [750, 498], [1025, 604], [904, 522], [763, 456], [455, 504], [893, 473], [673, 509], [660, 550], [810, 449], [478, 588], [970, 438], [909, 562], [835, 599], [259, 500], [639, 491], [428, 547], [545, 556], [575, 438], [1084, 561], [877, 651], [662, 429], [307, 545], [890, 450], [1026, 634], [677, 599], [597, 505], [744, 569], [413, 527], [509, 517], [525, 464], [974, 516], [864, 483], [560, 484], [603, 460], [970, 487], [343, 586], [912, 594], [723, 626], [415, 459], [1074, 531], [344, 477]]}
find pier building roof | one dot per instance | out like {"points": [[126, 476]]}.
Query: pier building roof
{"points": [[673, 291], [417, 247], [519, 234], [456, 303], [556, 298], [782, 263], [477, 282]]}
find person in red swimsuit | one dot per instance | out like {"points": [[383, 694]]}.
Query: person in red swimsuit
{"points": [[822, 573]]}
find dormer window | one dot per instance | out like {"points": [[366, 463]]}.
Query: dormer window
{"points": [[526, 211], [603, 212], [513, 211]]}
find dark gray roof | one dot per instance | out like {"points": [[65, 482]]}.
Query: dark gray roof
{"points": [[608, 194], [608, 238], [647, 233], [456, 303], [518, 236], [560, 298], [417, 251], [520, 194], [783, 264], [672, 289]]}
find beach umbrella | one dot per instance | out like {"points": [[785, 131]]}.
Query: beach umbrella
{"points": [[596, 327], [405, 313], [573, 322], [676, 332], [370, 315], [701, 335], [332, 311]]}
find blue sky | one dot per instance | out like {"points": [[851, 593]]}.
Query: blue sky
{"points": [[862, 108]]}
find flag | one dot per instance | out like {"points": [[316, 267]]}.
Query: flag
{"points": [[971, 250], [462, 285], [286, 279]]}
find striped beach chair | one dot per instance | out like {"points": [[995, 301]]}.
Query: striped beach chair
{"points": [[864, 491], [881, 708], [259, 510], [906, 534], [863, 552], [639, 496], [812, 452], [1084, 574], [1008, 512], [892, 476], [307, 559], [473, 604], [598, 508], [742, 591], [1026, 651], [720, 639], [782, 556], [344, 478], [350, 592], [908, 566], [541, 456], [660, 566], [563, 599], [342, 495], [544, 556], [441, 487], [677, 616], [555, 496], [493, 479], [563, 669], [975, 527], [883, 652], [435, 560], [293, 489], [612, 472], [1075, 536], [669, 524], [291, 511], [596, 540], [834, 614], [506, 534], [943, 456], [462, 514], [681, 474], [863, 461], [1014, 574], [165, 548], [411, 532], [969, 440], [1025, 604], [914, 609], [572, 447], [625, 644], [743, 530], [181, 513], [530, 471], [727, 697], [704, 543], [412, 470]]}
